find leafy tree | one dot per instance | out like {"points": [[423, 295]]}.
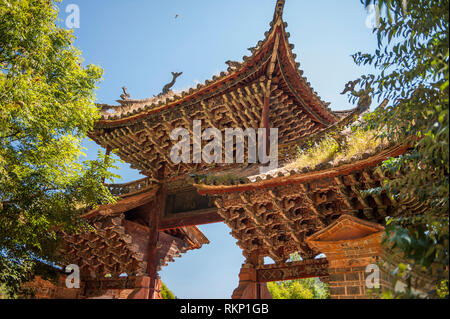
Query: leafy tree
{"points": [[166, 293], [46, 109], [308, 288], [3, 292], [412, 59]]}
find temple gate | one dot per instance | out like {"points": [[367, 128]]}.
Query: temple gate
{"points": [[309, 211]]}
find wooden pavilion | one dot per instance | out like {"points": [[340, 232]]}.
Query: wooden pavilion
{"points": [[309, 211]]}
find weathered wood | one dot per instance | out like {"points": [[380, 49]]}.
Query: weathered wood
{"points": [[293, 270], [125, 204], [202, 217], [155, 213], [186, 200]]}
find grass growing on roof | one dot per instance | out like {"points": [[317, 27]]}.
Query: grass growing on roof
{"points": [[323, 151], [221, 179], [328, 149], [358, 142]]}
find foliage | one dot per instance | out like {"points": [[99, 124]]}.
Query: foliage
{"points": [[166, 293], [412, 59], [308, 288], [46, 109], [3, 292]]}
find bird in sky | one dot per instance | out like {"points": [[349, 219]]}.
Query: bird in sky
{"points": [[176, 16]]}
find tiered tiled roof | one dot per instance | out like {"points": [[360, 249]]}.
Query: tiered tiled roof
{"points": [[272, 215], [266, 89], [119, 244], [112, 249]]}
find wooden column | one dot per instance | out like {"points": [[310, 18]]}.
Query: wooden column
{"points": [[153, 221], [249, 287]]}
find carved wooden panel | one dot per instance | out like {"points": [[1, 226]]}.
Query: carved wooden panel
{"points": [[294, 270]]}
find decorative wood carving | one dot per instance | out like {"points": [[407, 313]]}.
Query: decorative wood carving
{"points": [[293, 270]]}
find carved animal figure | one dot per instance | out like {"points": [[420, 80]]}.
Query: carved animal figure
{"points": [[253, 49], [166, 88], [233, 64], [125, 95], [365, 99]]}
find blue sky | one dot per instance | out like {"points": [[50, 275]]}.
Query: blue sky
{"points": [[139, 42]]}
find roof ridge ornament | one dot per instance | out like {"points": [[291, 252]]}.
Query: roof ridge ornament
{"points": [[125, 95], [363, 95], [279, 7], [166, 88], [233, 65]]}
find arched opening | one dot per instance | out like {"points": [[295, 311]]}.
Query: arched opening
{"points": [[210, 272]]}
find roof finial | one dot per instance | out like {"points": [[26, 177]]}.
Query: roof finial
{"points": [[125, 95], [278, 10], [166, 88]]}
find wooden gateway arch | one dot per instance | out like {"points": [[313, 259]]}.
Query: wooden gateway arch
{"points": [[309, 211]]}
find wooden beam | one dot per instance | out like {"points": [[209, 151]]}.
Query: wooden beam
{"points": [[270, 69], [293, 270], [191, 219]]}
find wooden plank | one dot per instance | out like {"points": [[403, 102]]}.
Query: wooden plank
{"points": [[294, 270], [207, 216], [123, 205], [187, 200]]}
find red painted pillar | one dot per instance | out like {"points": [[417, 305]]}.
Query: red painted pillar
{"points": [[154, 217], [249, 287]]}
